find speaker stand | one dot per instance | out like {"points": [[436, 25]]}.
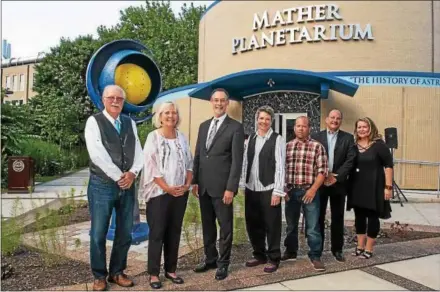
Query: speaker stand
{"points": [[396, 189]]}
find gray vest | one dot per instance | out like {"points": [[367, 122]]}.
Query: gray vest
{"points": [[120, 147]]}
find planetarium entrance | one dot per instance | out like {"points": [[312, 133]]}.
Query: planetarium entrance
{"points": [[288, 106]]}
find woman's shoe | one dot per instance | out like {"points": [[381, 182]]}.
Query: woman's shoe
{"points": [[358, 251], [367, 255], [156, 284], [176, 280]]}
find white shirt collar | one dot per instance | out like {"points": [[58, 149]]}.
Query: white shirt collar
{"points": [[110, 118], [334, 133], [267, 135], [220, 119]]}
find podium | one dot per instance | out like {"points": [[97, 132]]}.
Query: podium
{"points": [[21, 175]]}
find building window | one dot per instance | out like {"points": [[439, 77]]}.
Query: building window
{"points": [[15, 83], [8, 82], [21, 82], [20, 102]]}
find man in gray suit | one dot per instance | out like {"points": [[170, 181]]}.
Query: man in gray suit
{"points": [[216, 174]]}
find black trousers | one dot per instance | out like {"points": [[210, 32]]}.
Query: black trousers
{"points": [[164, 217], [213, 208], [263, 222], [337, 208], [361, 216]]}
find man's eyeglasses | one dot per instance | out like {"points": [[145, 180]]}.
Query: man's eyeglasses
{"points": [[118, 99]]}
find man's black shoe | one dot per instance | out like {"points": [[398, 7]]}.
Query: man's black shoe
{"points": [[339, 256], [203, 267], [288, 256], [221, 273]]}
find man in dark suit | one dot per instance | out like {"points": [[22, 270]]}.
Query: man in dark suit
{"points": [[339, 146], [216, 174]]}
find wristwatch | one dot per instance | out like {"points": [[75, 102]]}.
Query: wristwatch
{"points": [[390, 188]]}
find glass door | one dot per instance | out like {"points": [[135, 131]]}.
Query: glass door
{"points": [[284, 124]]}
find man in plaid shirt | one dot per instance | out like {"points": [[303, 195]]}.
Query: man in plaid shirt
{"points": [[306, 170]]}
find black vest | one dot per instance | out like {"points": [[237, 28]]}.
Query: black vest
{"points": [[120, 147], [266, 159]]}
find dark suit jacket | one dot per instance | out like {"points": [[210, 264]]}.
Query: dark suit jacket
{"points": [[344, 155], [218, 168]]}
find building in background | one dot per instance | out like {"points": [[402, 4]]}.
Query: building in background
{"points": [[368, 58], [6, 50], [18, 75]]}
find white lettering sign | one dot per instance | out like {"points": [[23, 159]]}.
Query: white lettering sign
{"points": [[300, 33], [393, 81]]}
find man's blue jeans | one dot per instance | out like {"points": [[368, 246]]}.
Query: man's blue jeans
{"points": [[311, 213], [104, 195]]}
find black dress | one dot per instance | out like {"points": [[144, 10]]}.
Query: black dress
{"points": [[368, 180]]}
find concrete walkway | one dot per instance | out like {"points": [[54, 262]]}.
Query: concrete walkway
{"points": [[72, 185], [415, 274]]}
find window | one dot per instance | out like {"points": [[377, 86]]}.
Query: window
{"points": [[21, 82], [20, 102], [8, 82], [15, 83]]}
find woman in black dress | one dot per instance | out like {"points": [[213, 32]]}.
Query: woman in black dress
{"points": [[371, 188]]}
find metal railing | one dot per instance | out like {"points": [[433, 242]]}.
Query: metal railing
{"points": [[417, 175]]}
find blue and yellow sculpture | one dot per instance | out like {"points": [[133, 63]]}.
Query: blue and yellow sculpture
{"points": [[123, 63]]}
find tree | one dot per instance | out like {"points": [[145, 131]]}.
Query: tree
{"points": [[62, 105], [173, 41], [12, 133]]}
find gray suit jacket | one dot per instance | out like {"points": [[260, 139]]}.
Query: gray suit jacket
{"points": [[218, 168]]}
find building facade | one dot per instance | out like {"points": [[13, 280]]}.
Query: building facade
{"points": [[18, 77], [304, 57]]}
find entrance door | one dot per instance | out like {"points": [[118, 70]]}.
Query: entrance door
{"points": [[284, 124]]}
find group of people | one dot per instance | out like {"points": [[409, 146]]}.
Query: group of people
{"points": [[306, 172]]}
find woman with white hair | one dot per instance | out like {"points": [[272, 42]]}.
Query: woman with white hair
{"points": [[164, 186]]}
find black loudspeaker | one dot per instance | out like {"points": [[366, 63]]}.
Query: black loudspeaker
{"points": [[391, 137]]}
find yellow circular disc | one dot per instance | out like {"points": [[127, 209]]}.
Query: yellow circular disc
{"points": [[135, 81]]}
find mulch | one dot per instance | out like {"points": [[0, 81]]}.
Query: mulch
{"points": [[33, 270], [243, 252], [80, 213]]}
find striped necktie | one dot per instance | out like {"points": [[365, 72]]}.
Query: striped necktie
{"points": [[212, 134]]}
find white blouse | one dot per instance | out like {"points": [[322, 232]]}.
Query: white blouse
{"points": [[166, 158]]}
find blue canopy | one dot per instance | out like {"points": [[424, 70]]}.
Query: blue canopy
{"points": [[251, 82]]}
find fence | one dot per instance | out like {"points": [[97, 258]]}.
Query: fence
{"points": [[417, 175]]}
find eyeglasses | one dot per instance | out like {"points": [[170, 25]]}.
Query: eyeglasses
{"points": [[118, 99]]}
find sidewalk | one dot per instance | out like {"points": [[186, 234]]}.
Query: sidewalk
{"points": [[415, 274], [45, 193]]}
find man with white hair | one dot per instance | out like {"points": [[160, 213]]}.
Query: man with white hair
{"points": [[115, 160]]}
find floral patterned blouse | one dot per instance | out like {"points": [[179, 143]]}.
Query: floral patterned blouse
{"points": [[166, 158]]}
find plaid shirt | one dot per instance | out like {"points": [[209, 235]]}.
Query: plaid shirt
{"points": [[304, 161]]}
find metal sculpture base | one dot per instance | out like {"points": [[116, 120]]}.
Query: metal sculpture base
{"points": [[139, 233]]}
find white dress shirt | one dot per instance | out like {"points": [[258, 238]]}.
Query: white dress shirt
{"points": [[331, 143], [219, 123], [99, 155], [254, 183]]}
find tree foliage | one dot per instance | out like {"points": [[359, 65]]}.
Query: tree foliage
{"points": [[62, 105]]}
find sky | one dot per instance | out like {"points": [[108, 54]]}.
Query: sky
{"points": [[35, 26]]}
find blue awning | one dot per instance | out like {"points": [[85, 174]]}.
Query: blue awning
{"points": [[250, 82]]}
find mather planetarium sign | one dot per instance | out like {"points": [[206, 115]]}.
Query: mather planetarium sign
{"points": [[292, 29]]}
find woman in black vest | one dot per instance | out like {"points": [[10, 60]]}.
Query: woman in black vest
{"points": [[164, 186], [263, 180]]}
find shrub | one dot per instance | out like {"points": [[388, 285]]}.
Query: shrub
{"points": [[50, 159]]}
